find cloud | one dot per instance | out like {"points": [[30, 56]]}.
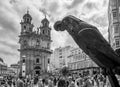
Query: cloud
{"points": [[9, 28], [75, 3], [91, 6], [8, 19], [59, 39], [12, 11], [53, 7], [10, 44]]}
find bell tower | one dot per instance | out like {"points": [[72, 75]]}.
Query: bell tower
{"points": [[34, 46], [26, 26], [26, 31], [45, 32]]}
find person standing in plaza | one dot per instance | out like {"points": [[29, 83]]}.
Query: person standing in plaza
{"points": [[72, 84], [50, 82], [13, 81], [55, 81], [61, 83], [87, 82], [10, 82], [46, 83], [20, 82], [40, 84]]}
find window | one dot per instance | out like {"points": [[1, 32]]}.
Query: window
{"points": [[116, 30], [24, 27], [119, 9], [114, 14], [48, 61], [23, 60], [77, 65], [60, 53], [60, 57], [37, 43], [27, 20], [43, 31], [74, 65], [44, 23], [37, 60], [24, 43], [60, 50], [117, 42]]}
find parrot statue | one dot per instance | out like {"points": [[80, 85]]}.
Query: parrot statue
{"points": [[91, 41]]}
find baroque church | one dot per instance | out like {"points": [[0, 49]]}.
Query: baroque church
{"points": [[34, 46]]}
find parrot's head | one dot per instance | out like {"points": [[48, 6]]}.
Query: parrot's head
{"points": [[72, 24], [69, 23]]}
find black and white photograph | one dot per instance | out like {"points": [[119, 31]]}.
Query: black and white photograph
{"points": [[59, 43]]}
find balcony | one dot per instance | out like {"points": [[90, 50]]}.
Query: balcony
{"points": [[35, 48]]}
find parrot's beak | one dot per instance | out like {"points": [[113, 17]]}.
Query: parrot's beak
{"points": [[58, 26]]}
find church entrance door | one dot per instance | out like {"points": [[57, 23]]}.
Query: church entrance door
{"points": [[37, 70]]}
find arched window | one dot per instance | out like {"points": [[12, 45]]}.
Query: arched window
{"points": [[37, 43], [25, 42], [27, 19], [24, 27], [43, 31], [48, 61], [23, 60], [45, 23], [37, 60]]}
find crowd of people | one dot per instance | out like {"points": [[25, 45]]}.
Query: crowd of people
{"points": [[97, 80]]}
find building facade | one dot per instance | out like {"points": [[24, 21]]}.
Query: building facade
{"points": [[79, 61], [114, 23], [11, 72], [34, 46], [3, 68], [15, 68], [14, 65], [59, 57]]}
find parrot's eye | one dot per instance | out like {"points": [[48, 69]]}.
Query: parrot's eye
{"points": [[64, 21]]}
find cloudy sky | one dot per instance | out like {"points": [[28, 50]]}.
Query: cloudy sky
{"points": [[12, 11]]}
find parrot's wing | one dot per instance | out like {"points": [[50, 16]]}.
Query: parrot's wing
{"points": [[93, 39]]}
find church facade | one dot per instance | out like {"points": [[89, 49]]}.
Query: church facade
{"points": [[34, 46]]}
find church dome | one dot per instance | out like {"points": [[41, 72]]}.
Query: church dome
{"points": [[45, 20], [27, 15]]}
